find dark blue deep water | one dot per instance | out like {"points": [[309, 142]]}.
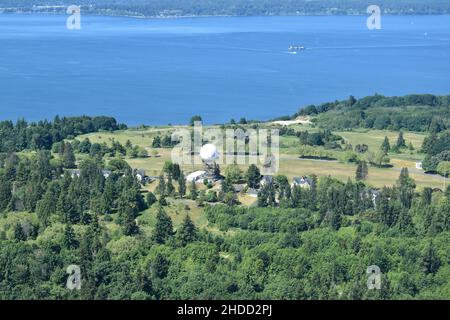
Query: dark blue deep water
{"points": [[163, 71]]}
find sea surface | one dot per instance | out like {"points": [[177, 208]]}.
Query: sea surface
{"points": [[160, 71]]}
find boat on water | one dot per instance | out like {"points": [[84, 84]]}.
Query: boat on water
{"points": [[294, 49]]}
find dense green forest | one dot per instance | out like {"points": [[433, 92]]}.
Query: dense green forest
{"points": [[295, 243], [412, 112], [312, 244], [316, 245], [43, 134], [236, 7]]}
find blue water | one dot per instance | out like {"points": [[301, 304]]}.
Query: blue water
{"points": [[166, 70]]}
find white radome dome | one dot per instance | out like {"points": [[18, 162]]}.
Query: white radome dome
{"points": [[209, 153]]}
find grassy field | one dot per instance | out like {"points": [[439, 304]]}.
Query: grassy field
{"points": [[374, 138], [378, 177], [290, 164]]}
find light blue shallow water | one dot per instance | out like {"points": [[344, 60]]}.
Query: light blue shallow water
{"points": [[166, 70]]}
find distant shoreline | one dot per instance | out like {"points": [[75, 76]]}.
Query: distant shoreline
{"points": [[145, 17]]}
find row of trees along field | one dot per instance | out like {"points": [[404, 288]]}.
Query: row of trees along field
{"points": [[22, 135]]}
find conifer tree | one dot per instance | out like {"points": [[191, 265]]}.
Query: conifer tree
{"points": [[61, 148], [406, 186], [361, 171], [262, 197], [176, 171], [150, 199], [193, 191], [5, 192], [404, 222], [253, 176], [161, 188], [108, 196], [187, 232], [69, 240], [170, 189], [163, 228], [436, 125], [160, 266], [430, 259], [68, 158], [181, 185], [19, 234], [129, 224], [335, 220], [128, 210], [429, 142], [401, 143], [385, 146], [427, 195]]}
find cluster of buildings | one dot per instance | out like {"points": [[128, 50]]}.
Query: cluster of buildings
{"points": [[138, 173]]}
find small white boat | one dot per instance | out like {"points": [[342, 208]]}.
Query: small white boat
{"points": [[294, 49]]}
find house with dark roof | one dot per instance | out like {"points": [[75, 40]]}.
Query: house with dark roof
{"points": [[140, 175], [374, 194], [303, 182], [238, 187], [106, 173], [74, 172], [266, 180]]}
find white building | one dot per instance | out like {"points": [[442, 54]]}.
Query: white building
{"points": [[140, 175], [196, 176]]}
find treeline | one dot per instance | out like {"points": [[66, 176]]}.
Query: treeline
{"points": [[99, 150], [19, 136], [412, 112], [437, 148], [41, 184], [323, 138], [238, 7], [395, 208]]}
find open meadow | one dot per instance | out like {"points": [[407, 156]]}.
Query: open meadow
{"points": [[290, 164]]}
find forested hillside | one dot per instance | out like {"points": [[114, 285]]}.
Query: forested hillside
{"points": [[424, 113], [80, 203], [43, 134], [412, 112], [236, 7], [314, 244]]}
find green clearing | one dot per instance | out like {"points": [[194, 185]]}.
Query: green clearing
{"points": [[290, 164], [374, 138]]}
